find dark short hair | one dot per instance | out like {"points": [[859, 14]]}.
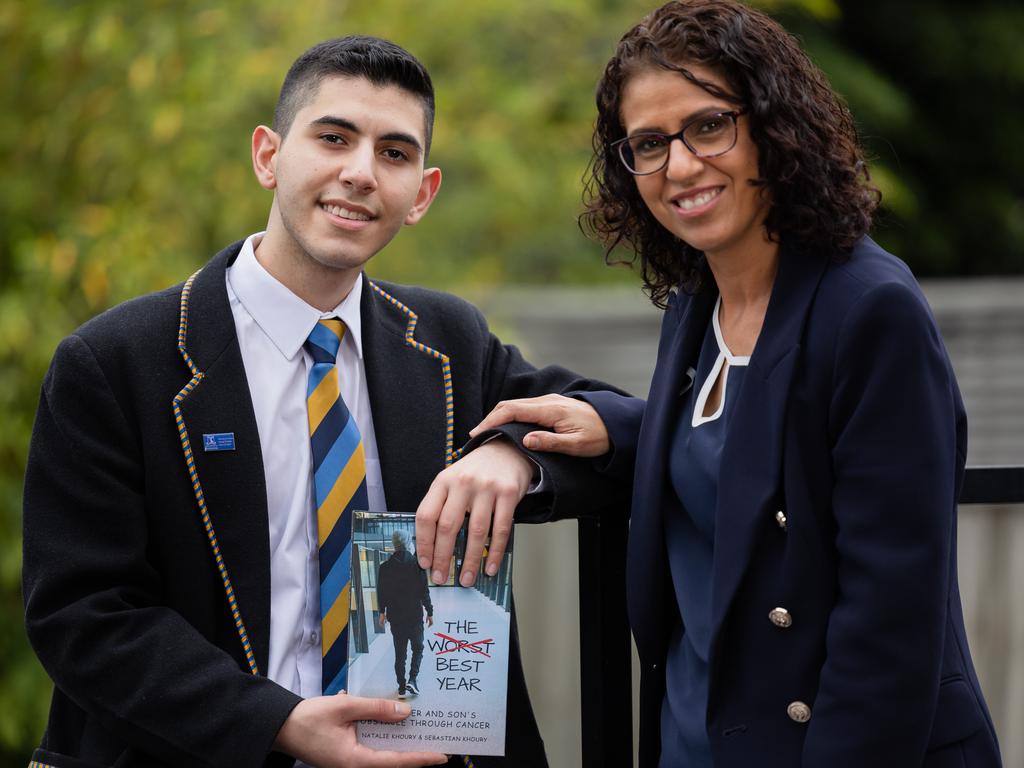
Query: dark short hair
{"points": [[810, 160], [379, 61]]}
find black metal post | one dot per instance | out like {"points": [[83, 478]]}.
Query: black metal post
{"points": [[605, 653]]}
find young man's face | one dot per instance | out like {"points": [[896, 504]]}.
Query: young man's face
{"points": [[348, 174]]}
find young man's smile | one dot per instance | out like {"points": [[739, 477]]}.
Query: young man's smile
{"points": [[346, 215]]}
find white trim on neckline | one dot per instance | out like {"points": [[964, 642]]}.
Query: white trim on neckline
{"points": [[722, 346], [724, 356]]}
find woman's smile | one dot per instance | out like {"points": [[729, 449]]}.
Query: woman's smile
{"points": [[696, 202]]}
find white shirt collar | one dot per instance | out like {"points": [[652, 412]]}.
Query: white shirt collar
{"points": [[284, 317]]}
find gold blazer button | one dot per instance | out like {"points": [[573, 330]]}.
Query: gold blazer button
{"points": [[798, 712]]}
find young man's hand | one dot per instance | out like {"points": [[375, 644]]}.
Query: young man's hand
{"points": [[487, 484], [321, 732]]}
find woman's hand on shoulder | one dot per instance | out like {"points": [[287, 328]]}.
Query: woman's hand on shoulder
{"points": [[576, 428]]}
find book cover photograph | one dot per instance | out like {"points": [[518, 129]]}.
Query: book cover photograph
{"points": [[443, 649]]}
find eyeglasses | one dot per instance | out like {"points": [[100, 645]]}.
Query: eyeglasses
{"points": [[706, 136]]}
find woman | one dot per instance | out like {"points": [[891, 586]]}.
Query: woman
{"points": [[792, 560]]}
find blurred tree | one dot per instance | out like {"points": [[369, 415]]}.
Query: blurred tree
{"points": [[124, 163], [937, 88]]}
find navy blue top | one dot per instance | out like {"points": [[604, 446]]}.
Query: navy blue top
{"points": [[694, 460]]}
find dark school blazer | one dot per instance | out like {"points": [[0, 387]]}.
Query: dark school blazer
{"points": [[149, 608], [837, 632]]}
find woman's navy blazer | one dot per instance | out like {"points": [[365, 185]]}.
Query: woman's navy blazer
{"points": [[838, 635]]}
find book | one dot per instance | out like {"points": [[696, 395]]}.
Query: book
{"points": [[443, 649]]}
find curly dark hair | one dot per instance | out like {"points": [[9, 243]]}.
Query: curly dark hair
{"points": [[809, 158]]}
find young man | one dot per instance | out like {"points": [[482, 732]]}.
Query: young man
{"points": [[193, 449]]}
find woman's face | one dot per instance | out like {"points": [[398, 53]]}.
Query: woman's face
{"points": [[707, 202]]}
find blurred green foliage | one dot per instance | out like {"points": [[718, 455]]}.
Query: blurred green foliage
{"points": [[124, 163], [937, 88]]}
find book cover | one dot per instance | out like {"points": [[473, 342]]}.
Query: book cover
{"points": [[443, 649]]}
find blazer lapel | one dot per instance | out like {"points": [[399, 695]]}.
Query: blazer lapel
{"points": [[647, 579], [748, 485], [407, 398], [232, 481]]}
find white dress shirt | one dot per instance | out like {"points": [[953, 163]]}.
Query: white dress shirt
{"points": [[272, 324]]}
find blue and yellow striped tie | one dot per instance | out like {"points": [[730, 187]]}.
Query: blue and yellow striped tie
{"points": [[339, 480]]}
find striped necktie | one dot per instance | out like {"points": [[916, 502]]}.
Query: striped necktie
{"points": [[339, 480]]}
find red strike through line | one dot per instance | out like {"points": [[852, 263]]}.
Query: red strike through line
{"points": [[460, 645]]}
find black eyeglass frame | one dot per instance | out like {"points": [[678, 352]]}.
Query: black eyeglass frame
{"points": [[620, 144]]}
